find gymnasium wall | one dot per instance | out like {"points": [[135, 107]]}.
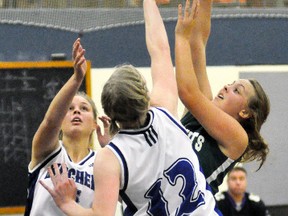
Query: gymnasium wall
{"points": [[240, 40]]}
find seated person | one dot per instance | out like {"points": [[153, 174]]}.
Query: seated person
{"points": [[237, 201]]}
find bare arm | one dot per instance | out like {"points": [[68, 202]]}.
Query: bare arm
{"points": [[107, 174], [221, 126], [45, 139], [198, 40], [164, 92]]}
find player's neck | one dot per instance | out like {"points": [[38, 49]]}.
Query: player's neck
{"points": [[76, 151]]}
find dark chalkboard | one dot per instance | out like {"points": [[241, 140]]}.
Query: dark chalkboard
{"points": [[26, 90]]}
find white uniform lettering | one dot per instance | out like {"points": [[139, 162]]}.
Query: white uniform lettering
{"points": [[199, 142]]}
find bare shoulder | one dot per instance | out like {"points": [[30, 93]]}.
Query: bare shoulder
{"points": [[106, 161]]}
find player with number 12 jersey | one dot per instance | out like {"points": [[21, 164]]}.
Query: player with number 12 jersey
{"points": [[171, 183]]}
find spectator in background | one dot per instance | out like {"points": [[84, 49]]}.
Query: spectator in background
{"points": [[237, 201]]}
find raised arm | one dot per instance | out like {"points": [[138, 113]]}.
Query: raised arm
{"points": [[45, 139], [198, 40], [221, 126], [164, 91]]}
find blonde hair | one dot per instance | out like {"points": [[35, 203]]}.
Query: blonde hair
{"points": [[125, 98]]}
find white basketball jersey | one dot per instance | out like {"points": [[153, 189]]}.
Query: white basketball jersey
{"points": [[160, 172], [40, 202]]}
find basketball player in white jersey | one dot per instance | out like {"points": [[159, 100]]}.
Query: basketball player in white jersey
{"points": [[150, 159], [73, 115]]}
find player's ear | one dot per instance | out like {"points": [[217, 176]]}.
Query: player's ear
{"points": [[244, 114]]}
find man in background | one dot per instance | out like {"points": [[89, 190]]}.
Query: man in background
{"points": [[237, 201]]}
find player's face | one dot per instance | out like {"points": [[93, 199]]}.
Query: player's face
{"points": [[79, 119], [237, 182], [234, 97]]}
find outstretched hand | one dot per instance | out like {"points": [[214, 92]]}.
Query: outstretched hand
{"points": [[64, 191], [186, 20], [105, 138], [79, 61]]}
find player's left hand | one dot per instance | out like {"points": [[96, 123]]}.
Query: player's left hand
{"points": [[64, 190]]}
